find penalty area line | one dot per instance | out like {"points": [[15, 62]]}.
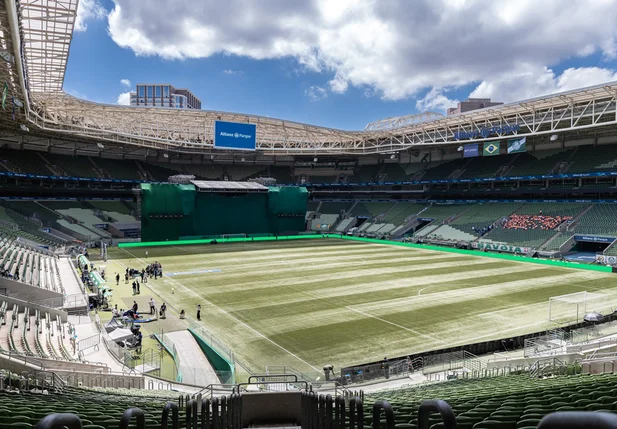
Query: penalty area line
{"points": [[395, 324], [231, 316]]}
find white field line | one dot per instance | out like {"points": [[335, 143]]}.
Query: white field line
{"points": [[395, 324], [190, 291]]}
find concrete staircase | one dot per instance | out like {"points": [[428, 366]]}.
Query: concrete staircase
{"points": [[54, 170]]}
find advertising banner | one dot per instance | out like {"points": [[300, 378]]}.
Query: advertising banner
{"points": [[496, 247], [234, 135], [470, 150], [491, 148], [606, 259], [518, 145], [594, 238]]}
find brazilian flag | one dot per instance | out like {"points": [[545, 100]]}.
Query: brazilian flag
{"points": [[491, 149], [5, 92]]}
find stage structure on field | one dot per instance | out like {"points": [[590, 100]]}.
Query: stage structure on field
{"points": [[572, 307], [203, 209]]}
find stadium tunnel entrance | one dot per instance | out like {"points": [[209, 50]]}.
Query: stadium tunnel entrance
{"points": [[591, 243], [359, 221], [421, 223]]}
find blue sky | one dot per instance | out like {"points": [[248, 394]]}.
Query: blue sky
{"points": [[341, 66]]}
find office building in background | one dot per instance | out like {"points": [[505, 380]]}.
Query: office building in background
{"points": [[164, 95]]}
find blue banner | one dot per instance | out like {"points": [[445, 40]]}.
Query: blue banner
{"points": [[470, 150], [234, 135], [477, 180], [71, 178], [486, 132], [607, 174], [594, 238]]}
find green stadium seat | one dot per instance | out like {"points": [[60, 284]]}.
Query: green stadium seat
{"points": [[22, 425], [527, 423], [494, 424]]}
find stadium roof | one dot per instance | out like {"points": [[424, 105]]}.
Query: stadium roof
{"points": [[43, 28], [223, 186], [402, 121]]}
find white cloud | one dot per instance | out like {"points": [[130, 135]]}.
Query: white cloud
{"points": [[435, 100], [524, 84], [88, 10], [233, 72], [125, 82], [397, 50], [316, 93], [124, 99]]}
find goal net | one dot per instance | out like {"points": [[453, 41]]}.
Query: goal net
{"points": [[234, 237], [571, 308]]}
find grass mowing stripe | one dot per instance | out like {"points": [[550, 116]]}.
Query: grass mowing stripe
{"points": [[271, 308], [231, 316], [376, 288], [265, 279], [296, 295], [386, 313]]}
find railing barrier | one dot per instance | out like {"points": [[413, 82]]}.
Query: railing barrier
{"points": [[436, 406], [125, 420], [388, 412], [175, 424]]}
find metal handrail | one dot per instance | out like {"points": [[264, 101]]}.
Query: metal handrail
{"points": [[212, 387], [237, 388]]}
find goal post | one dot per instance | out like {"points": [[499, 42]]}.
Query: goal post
{"points": [[572, 307], [234, 237]]}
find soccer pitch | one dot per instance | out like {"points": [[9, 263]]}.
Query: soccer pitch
{"points": [[308, 303]]}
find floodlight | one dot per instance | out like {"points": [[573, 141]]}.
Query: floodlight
{"points": [[554, 137]]}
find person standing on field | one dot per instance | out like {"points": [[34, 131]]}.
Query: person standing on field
{"points": [[199, 312]]}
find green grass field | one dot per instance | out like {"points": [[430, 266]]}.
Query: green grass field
{"points": [[309, 303]]}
